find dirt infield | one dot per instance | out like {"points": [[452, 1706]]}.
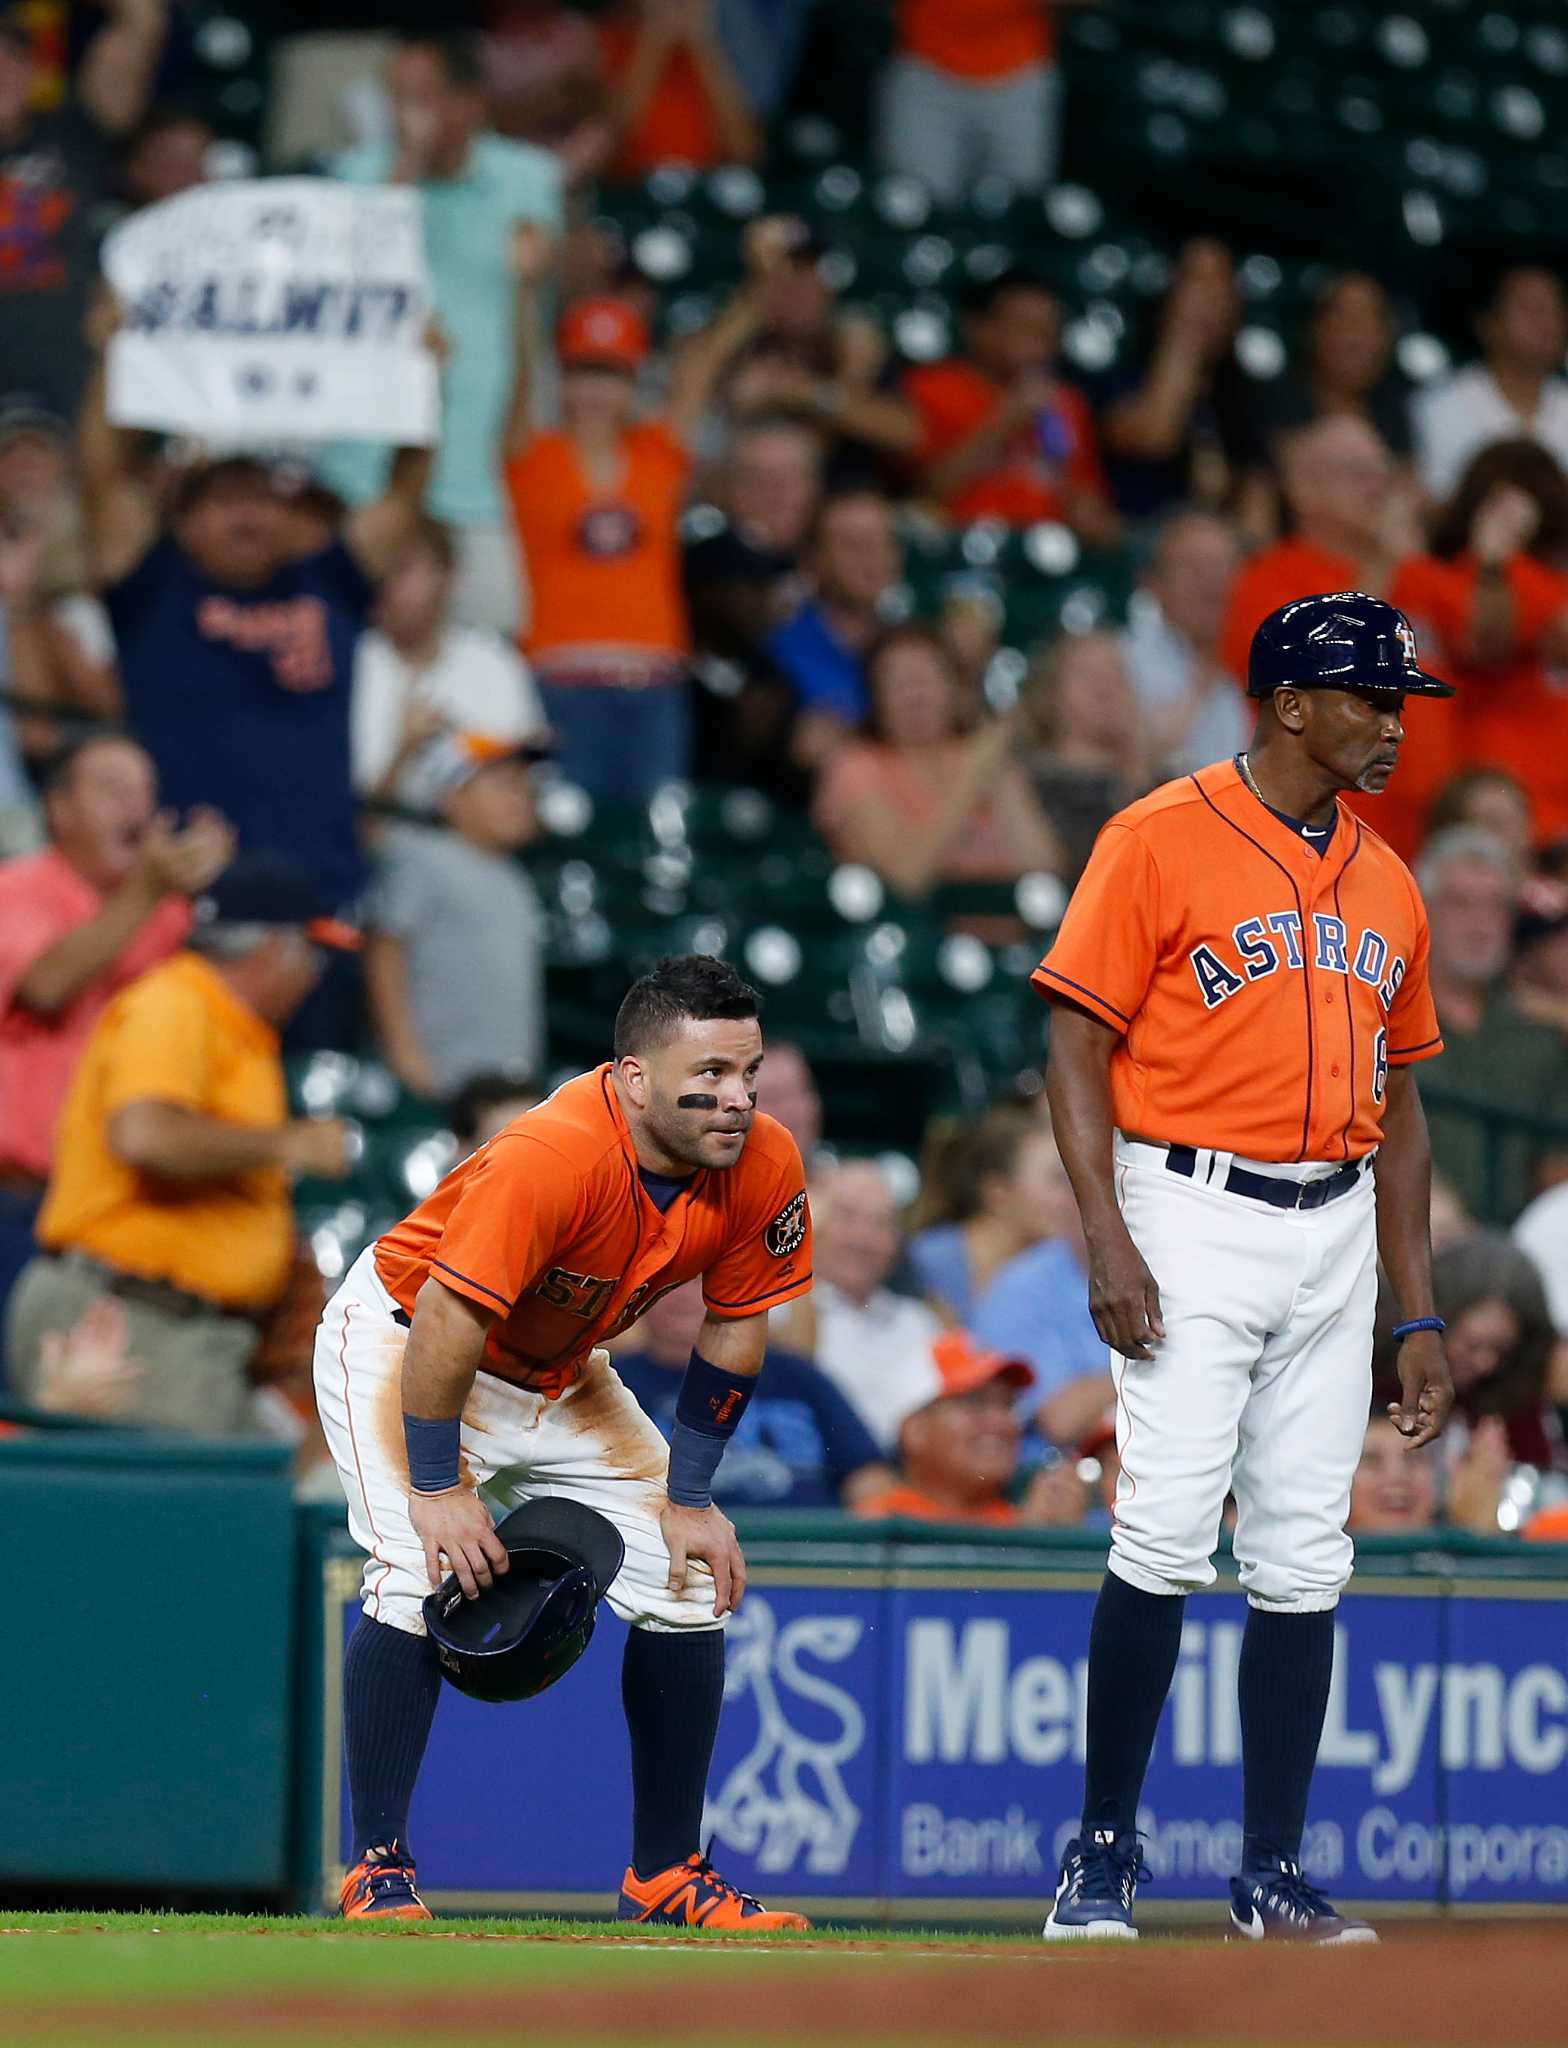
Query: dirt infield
{"points": [[1449, 1989]]}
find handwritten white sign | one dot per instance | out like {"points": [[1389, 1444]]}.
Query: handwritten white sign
{"points": [[275, 309]]}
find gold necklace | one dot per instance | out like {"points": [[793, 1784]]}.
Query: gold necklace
{"points": [[1247, 777]]}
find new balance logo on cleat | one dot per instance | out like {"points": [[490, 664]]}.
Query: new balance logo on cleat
{"points": [[381, 1887], [692, 1894], [1275, 1903], [1099, 1880]]}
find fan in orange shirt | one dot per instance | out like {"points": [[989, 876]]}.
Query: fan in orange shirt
{"points": [[596, 503], [979, 39], [958, 1451], [1493, 596], [674, 95], [1351, 532], [1002, 436], [971, 92]]}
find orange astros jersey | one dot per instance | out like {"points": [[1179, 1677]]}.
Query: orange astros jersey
{"points": [[1261, 991], [549, 1226]]}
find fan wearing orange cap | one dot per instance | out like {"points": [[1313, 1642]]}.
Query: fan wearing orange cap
{"points": [[959, 1450], [597, 503]]}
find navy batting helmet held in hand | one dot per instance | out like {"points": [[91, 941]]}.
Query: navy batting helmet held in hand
{"points": [[532, 1623], [1344, 640]]}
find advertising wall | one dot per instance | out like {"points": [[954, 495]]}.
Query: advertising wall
{"points": [[908, 1743]]}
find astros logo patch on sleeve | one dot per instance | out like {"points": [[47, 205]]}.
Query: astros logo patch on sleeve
{"points": [[787, 1232]]}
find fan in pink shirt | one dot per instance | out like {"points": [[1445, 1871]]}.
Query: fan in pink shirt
{"points": [[106, 899]]}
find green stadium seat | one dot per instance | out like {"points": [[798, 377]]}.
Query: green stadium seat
{"points": [[817, 986]]}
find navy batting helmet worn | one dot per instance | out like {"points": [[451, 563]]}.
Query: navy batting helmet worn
{"points": [[1344, 640], [532, 1623]]}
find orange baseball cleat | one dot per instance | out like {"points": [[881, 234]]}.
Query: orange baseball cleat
{"points": [[381, 1887], [692, 1894]]}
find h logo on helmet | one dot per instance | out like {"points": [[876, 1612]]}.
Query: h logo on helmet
{"points": [[1407, 641]]}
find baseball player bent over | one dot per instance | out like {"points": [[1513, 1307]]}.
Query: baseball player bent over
{"points": [[1240, 992], [460, 1351]]}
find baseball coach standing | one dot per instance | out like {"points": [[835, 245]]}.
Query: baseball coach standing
{"points": [[1239, 994]]}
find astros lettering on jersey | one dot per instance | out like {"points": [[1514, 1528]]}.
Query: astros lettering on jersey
{"points": [[549, 1226], [1262, 990]]}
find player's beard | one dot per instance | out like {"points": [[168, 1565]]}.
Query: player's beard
{"points": [[1377, 774], [681, 1134]]}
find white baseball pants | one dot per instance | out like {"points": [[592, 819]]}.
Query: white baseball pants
{"points": [[591, 1444], [1261, 1385]]}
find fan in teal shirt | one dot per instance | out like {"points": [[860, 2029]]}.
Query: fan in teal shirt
{"points": [[469, 221]]}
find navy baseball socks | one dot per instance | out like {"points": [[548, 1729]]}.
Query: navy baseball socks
{"points": [[1287, 1662], [1134, 1641], [391, 1683], [672, 1687]]}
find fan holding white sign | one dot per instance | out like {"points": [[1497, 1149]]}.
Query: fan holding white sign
{"points": [[275, 309]]}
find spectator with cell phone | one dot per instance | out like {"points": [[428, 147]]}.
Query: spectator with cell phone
{"points": [[1002, 435]]}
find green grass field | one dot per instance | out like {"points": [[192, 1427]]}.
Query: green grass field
{"points": [[87, 1980], [93, 1978]]}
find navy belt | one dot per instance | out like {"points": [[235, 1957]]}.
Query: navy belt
{"points": [[398, 1316], [1263, 1187]]}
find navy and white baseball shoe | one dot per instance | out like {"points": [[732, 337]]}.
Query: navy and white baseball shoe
{"points": [[381, 1886], [1094, 1894], [1275, 1903]]}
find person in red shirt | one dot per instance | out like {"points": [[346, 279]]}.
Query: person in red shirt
{"points": [[597, 503], [106, 899], [1493, 596], [1351, 530], [464, 1350], [1002, 436], [674, 94]]}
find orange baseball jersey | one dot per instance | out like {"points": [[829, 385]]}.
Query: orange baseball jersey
{"points": [[1261, 990], [549, 1226]]}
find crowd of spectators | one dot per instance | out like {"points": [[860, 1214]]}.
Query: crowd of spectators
{"points": [[248, 705]]}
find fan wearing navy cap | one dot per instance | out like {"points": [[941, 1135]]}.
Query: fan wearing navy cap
{"points": [[1239, 998], [169, 1192], [236, 651]]}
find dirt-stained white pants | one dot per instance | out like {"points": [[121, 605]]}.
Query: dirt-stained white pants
{"points": [[592, 1444], [1261, 1385]]}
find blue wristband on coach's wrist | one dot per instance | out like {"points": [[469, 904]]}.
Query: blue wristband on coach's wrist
{"points": [[708, 1410], [433, 1452], [1404, 1330]]}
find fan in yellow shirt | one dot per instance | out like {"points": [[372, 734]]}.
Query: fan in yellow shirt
{"points": [[170, 1184]]}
